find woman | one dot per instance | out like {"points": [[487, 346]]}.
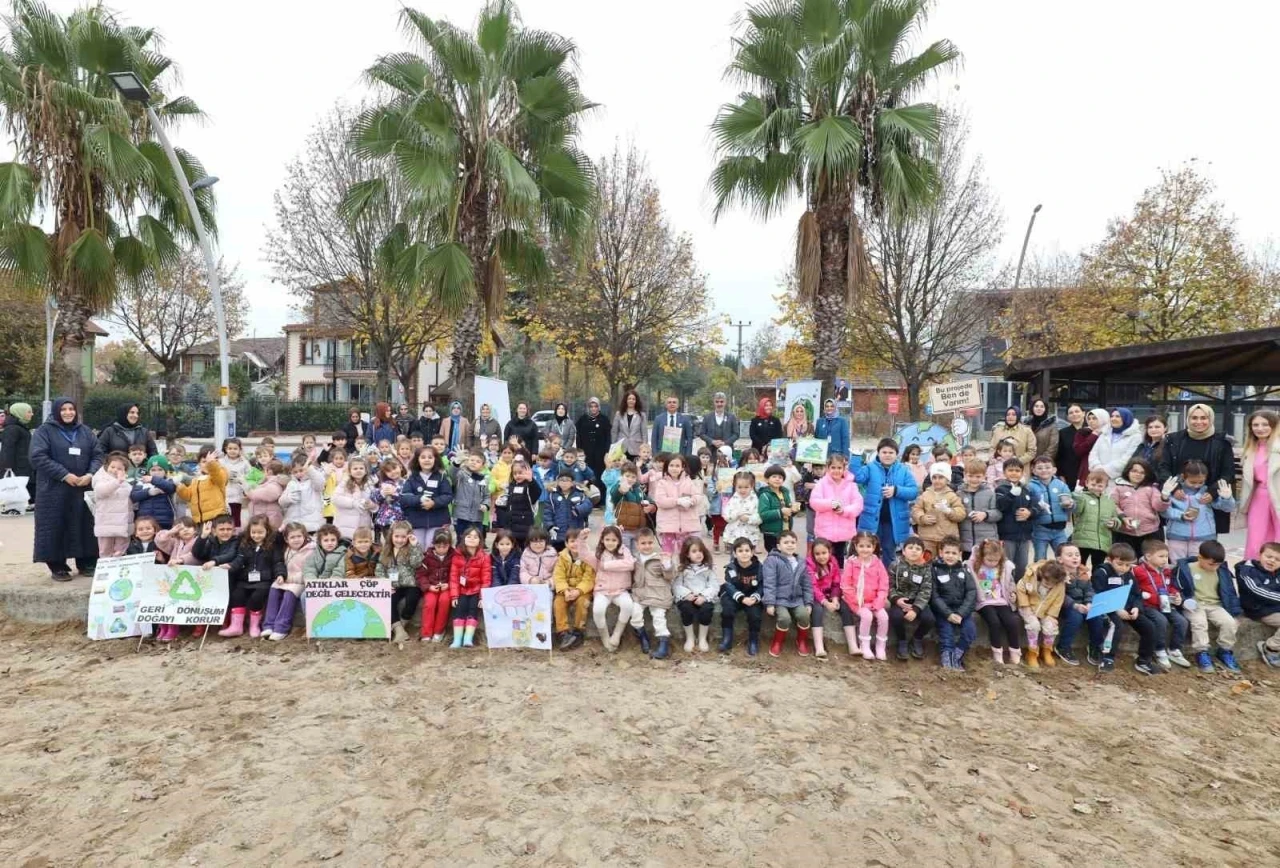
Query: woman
{"points": [[592, 432], [561, 424], [356, 427], [404, 420], [524, 427], [456, 430], [126, 432], [764, 426], [1024, 440], [1114, 447], [384, 424], [1260, 485], [486, 427], [1067, 462], [798, 425], [834, 429], [1097, 422], [15, 446], [1201, 442], [1044, 426], [630, 424], [1151, 450], [65, 455]]}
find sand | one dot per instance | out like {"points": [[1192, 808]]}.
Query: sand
{"points": [[362, 754]]}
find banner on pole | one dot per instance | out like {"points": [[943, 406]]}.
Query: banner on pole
{"points": [[115, 596], [183, 594], [517, 616], [808, 394], [348, 609], [950, 397]]}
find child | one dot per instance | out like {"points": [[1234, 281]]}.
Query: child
{"points": [[742, 510], [576, 464], [776, 507], [178, 542], [153, 493], [614, 566], [361, 446], [1207, 595], [787, 593], [836, 504], [400, 557], [982, 516], [955, 594], [1094, 518], [1078, 600], [995, 467], [1117, 571], [826, 591], [504, 560], [938, 511], [1190, 513], [911, 458], [403, 452], [143, 541], [469, 573], [695, 590], [337, 441], [236, 465], [715, 500], [809, 475], [567, 511], [544, 473], [521, 501], [137, 456], [309, 448], [864, 590], [218, 546], [1018, 507], [432, 576], [679, 500], [353, 500], [628, 504], [329, 558], [303, 497], [260, 564], [538, 560], [1041, 594], [333, 473], [264, 497], [910, 587], [361, 561], [997, 597], [1159, 598], [470, 494], [261, 457], [425, 497], [386, 497], [574, 581], [1139, 505], [651, 590], [741, 592], [112, 513], [1259, 582], [1056, 504], [286, 590]]}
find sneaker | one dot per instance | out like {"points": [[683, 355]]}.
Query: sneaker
{"points": [[917, 649], [1145, 667], [903, 653], [1178, 659], [1107, 664], [1228, 660], [1269, 657], [1162, 658], [1093, 655], [275, 637], [1204, 662], [1066, 656]]}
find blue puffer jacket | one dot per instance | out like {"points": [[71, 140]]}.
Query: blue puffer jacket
{"points": [[1050, 493], [1204, 526], [786, 583], [874, 476], [836, 433], [157, 506], [1226, 586], [506, 571], [437, 487], [566, 513]]}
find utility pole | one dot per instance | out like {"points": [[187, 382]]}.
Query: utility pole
{"points": [[739, 326]]}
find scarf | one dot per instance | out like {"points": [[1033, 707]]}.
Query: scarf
{"points": [[1126, 422], [1038, 422], [1207, 434]]}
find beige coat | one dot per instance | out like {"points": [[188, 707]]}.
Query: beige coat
{"points": [[1247, 482], [1024, 441], [949, 519]]}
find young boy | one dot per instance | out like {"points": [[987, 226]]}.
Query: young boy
{"points": [[567, 510], [1094, 518], [446, 462], [303, 498], [471, 495], [938, 511], [787, 593], [651, 589], [1018, 507], [576, 463], [910, 588], [775, 506], [1190, 514], [1056, 504], [982, 516], [628, 505], [1259, 582], [1078, 599], [206, 495], [337, 441], [1160, 603], [574, 582], [741, 592], [953, 599], [362, 556], [1207, 595], [137, 462], [218, 546], [1117, 572], [544, 471], [153, 493]]}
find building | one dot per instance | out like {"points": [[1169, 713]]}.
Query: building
{"points": [[264, 357]]}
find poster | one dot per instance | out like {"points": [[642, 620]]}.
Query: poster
{"points": [[949, 397], [183, 595], [757, 470], [811, 450], [517, 616], [779, 451], [494, 393], [1108, 601], [348, 609], [724, 480], [671, 437], [807, 393], [114, 597]]}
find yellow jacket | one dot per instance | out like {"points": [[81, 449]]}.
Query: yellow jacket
{"points": [[948, 523], [572, 573], [330, 486], [1029, 594], [207, 494]]}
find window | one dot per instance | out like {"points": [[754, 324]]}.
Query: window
{"points": [[197, 367], [315, 392], [316, 352]]}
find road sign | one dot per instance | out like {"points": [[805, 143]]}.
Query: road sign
{"points": [[894, 402]]}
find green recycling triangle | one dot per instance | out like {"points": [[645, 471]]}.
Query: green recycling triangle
{"points": [[185, 588]]}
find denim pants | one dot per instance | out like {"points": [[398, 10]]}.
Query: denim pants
{"points": [[956, 636], [1047, 539], [1069, 621]]}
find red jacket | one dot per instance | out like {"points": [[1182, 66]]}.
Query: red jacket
{"points": [[469, 574], [1151, 582], [434, 570]]}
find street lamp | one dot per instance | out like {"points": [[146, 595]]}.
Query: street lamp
{"points": [[132, 89], [1017, 277], [50, 323]]}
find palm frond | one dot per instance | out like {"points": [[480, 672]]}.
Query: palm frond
{"points": [[24, 254], [132, 257], [512, 178], [362, 199], [91, 268], [118, 158], [494, 28], [403, 71], [919, 121], [831, 146], [17, 193], [158, 240]]}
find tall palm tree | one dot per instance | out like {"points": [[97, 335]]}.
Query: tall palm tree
{"points": [[90, 198], [826, 115], [482, 129]]}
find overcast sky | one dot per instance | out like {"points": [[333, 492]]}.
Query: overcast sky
{"points": [[1073, 104]]}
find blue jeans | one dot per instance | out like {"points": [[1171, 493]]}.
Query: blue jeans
{"points": [[956, 636], [1047, 539], [1069, 621], [888, 545], [1161, 622]]}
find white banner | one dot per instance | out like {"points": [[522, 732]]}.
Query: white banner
{"points": [[494, 393], [114, 598], [517, 616], [960, 395], [183, 594], [807, 393]]}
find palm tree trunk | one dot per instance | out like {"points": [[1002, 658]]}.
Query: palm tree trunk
{"points": [[830, 305], [465, 357], [73, 325]]}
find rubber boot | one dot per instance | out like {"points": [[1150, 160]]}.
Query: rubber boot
{"points": [[642, 637], [881, 643], [168, 632], [664, 648], [1033, 657], [864, 648], [947, 655], [457, 635], [469, 636], [779, 639], [196, 632], [255, 625], [997, 655], [819, 647], [802, 641], [851, 641], [726, 639], [1047, 656], [236, 627], [703, 630], [398, 633], [753, 642], [689, 639], [1015, 656]]}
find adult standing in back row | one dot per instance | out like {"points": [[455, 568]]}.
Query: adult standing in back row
{"points": [[1200, 442], [593, 436], [719, 427], [764, 426], [126, 431], [629, 424], [65, 454], [525, 428], [671, 417], [1024, 439]]}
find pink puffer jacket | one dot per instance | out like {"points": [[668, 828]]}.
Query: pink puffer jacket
{"points": [[264, 499], [1143, 503], [613, 572], [294, 560], [672, 517], [875, 584], [828, 524], [178, 550], [112, 509]]}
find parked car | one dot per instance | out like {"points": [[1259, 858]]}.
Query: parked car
{"points": [[542, 419]]}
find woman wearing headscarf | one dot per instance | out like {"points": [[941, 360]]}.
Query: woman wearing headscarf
{"points": [[1115, 445], [1024, 440], [798, 425], [834, 429], [764, 426], [65, 455], [1096, 423], [593, 432], [1044, 425], [15, 446], [1067, 462], [1200, 442], [561, 424], [1260, 485], [456, 430], [525, 428], [126, 431]]}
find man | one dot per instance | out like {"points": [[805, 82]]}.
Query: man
{"points": [[593, 436], [720, 427], [428, 424], [672, 418]]}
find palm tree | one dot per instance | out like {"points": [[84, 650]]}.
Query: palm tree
{"points": [[86, 164], [482, 129], [826, 116]]}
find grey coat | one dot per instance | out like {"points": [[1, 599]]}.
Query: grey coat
{"points": [[785, 584], [982, 500], [629, 431], [726, 430], [468, 494], [566, 429]]}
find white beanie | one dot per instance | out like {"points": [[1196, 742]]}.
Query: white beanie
{"points": [[940, 468]]}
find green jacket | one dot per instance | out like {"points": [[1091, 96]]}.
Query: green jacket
{"points": [[1089, 521], [915, 583], [771, 506]]}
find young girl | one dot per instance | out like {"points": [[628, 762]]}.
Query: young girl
{"points": [[303, 498], [425, 497], [995, 467], [386, 497], [143, 541], [826, 591], [504, 560], [286, 590], [236, 465], [836, 504], [1041, 594], [264, 498], [644, 462], [997, 599], [470, 572], [864, 591], [309, 447], [538, 560], [522, 498], [333, 474], [432, 577], [1140, 505], [911, 458], [178, 541], [353, 500], [400, 557], [404, 453], [499, 482], [679, 500], [741, 512], [695, 589], [259, 564], [611, 476], [613, 564], [715, 500], [112, 507]]}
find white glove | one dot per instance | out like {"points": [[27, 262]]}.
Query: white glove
{"points": [[1015, 490], [1169, 485], [685, 502], [1224, 488]]}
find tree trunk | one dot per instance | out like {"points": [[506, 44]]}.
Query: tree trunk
{"points": [[465, 356], [565, 395], [830, 308], [73, 326], [913, 399]]}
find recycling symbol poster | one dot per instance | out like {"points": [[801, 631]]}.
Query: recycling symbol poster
{"points": [[182, 594]]}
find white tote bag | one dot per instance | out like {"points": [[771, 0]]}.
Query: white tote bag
{"points": [[13, 492]]}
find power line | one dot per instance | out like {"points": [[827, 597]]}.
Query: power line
{"points": [[739, 326]]}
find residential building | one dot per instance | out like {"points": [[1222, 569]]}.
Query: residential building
{"points": [[263, 355]]}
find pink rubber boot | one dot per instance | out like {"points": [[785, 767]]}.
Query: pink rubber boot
{"points": [[236, 627]]}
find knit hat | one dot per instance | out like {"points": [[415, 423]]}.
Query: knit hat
{"points": [[159, 461], [940, 468], [21, 410]]}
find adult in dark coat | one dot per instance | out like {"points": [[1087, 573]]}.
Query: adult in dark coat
{"points": [[357, 427], [1067, 461], [764, 427], [65, 455], [126, 431], [428, 424], [525, 428], [671, 417], [1200, 442], [719, 427], [594, 431], [15, 446]]}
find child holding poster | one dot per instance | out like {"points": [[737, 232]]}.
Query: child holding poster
{"points": [[400, 556], [286, 590], [470, 572]]}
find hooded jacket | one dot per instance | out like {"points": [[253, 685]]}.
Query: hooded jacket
{"points": [[1144, 504], [873, 477], [158, 506], [435, 486], [613, 572], [1204, 525], [786, 583], [742, 517], [112, 513], [434, 569], [974, 532], [321, 565], [1089, 528], [207, 493], [770, 505], [826, 581], [1047, 605], [470, 491], [873, 579], [912, 582], [505, 571], [1055, 516], [538, 568], [827, 523], [672, 517], [946, 506], [566, 513], [303, 501], [740, 581], [696, 580], [573, 573], [954, 591], [264, 499], [294, 562], [469, 574], [1113, 448], [651, 582]]}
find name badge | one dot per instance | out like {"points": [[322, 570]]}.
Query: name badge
{"points": [[751, 583], [943, 579], [393, 574], [74, 450], [733, 574], [432, 483], [519, 489], [915, 580], [255, 576], [462, 580], [1116, 580]]}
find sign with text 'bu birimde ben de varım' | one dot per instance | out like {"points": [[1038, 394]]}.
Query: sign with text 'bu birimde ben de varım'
{"points": [[348, 609], [517, 616], [183, 594], [114, 598]]}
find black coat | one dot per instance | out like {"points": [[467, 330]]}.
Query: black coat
{"points": [[428, 428], [64, 524], [15, 448], [1067, 462], [1214, 451], [118, 438], [763, 430], [593, 439], [527, 430], [352, 430]]}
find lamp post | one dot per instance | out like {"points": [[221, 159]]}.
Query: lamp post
{"points": [[50, 323], [1017, 276], [132, 89]]}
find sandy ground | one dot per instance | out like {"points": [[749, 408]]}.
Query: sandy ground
{"points": [[352, 754]]}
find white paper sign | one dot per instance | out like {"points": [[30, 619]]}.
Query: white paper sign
{"points": [[960, 395], [114, 597], [517, 616], [183, 594]]}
